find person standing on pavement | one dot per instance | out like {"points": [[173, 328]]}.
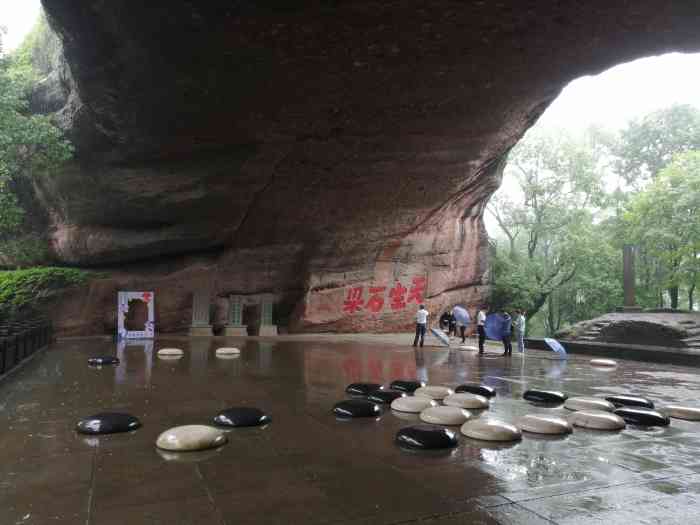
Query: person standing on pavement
{"points": [[519, 325], [506, 334], [461, 316], [480, 329], [421, 325]]}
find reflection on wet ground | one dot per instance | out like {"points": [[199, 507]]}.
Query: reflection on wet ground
{"points": [[309, 467]]}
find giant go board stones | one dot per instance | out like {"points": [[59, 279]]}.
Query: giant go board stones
{"points": [[108, 423], [242, 417], [588, 403], [434, 392], [385, 396], [170, 353], [545, 396], [539, 424], [227, 352], [190, 437], [356, 408], [412, 405], [491, 430], [407, 386], [103, 360], [424, 437], [362, 389], [597, 420], [465, 400], [681, 412], [630, 401], [473, 388], [603, 363], [642, 416], [445, 415]]}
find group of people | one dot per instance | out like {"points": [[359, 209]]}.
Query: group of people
{"points": [[458, 319]]}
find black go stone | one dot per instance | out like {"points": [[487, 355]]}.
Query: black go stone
{"points": [[642, 417], [103, 360], [545, 396], [406, 386], [356, 408], [424, 437], [108, 423], [242, 417], [480, 390], [362, 389], [385, 396], [630, 401]]}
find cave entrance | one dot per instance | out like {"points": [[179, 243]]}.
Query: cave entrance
{"points": [[251, 317], [136, 316]]}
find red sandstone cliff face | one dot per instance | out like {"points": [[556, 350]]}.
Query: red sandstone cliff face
{"points": [[309, 149]]}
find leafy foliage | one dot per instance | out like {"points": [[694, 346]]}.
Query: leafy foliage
{"points": [[21, 291]]}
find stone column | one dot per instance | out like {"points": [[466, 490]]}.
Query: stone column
{"points": [[234, 325], [266, 326], [628, 278], [201, 324]]}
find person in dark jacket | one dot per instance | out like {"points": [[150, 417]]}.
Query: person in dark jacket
{"points": [[507, 329]]}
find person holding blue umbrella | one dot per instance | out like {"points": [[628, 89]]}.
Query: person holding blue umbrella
{"points": [[506, 333], [462, 319]]}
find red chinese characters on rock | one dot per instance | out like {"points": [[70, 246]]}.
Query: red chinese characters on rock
{"points": [[353, 303], [399, 296], [417, 290], [375, 303]]}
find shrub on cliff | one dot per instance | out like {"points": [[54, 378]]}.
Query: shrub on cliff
{"points": [[23, 291]]}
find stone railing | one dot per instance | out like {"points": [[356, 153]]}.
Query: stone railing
{"points": [[21, 339]]}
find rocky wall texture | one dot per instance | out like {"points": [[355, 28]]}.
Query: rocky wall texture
{"points": [[309, 149]]}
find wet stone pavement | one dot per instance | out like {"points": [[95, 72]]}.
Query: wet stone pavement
{"points": [[308, 467]]}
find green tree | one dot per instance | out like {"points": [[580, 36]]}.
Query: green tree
{"points": [[28, 143], [664, 220], [554, 185], [649, 144]]}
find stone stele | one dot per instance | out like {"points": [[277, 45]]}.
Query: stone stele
{"points": [[541, 424], [491, 430], [434, 392], [190, 437], [445, 415]]}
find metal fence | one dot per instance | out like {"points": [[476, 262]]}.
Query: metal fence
{"points": [[20, 339]]}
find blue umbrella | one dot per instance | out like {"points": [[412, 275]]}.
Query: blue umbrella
{"points": [[493, 326], [461, 315], [555, 346]]}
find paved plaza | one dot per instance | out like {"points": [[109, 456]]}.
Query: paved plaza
{"points": [[308, 467]]}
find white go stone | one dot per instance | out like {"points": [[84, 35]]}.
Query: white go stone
{"points": [[412, 405], [433, 392], [491, 430], [681, 412], [541, 424], [170, 352], [190, 437], [227, 352], [445, 415], [603, 362], [466, 400], [597, 420], [588, 403]]}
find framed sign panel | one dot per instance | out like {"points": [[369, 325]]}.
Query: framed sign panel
{"points": [[135, 315]]}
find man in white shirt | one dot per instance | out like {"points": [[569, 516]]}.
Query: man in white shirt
{"points": [[421, 325], [480, 321], [519, 325]]}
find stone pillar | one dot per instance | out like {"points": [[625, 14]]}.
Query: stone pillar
{"points": [[266, 326], [234, 325], [201, 325], [628, 278]]}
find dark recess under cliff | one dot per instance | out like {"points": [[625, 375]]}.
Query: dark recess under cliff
{"points": [[312, 145]]}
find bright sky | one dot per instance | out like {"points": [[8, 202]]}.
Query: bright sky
{"points": [[18, 17]]}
